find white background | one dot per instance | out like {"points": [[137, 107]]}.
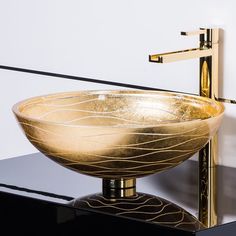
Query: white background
{"points": [[108, 40]]}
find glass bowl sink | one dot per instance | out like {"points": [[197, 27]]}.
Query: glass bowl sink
{"points": [[119, 134]]}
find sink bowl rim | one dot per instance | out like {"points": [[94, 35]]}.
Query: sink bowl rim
{"points": [[119, 92]]}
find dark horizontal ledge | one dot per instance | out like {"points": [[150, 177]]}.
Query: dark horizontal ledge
{"points": [[46, 194], [78, 78], [72, 77]]}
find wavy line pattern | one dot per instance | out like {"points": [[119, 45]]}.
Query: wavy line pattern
{"points": [[139, 156], [143, 207], [118, 135], [84, 108]]}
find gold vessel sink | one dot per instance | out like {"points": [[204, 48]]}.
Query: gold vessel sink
{"points": [[119, 134]]}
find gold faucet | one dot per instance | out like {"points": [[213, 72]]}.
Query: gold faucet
{"points": [[208, 53], [204, 49]]}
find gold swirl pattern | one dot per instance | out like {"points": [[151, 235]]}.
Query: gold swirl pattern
{"points": [[119, 134], [144, 207]]}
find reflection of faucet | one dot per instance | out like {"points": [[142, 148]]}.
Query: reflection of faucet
{"points": [[207, 52]]}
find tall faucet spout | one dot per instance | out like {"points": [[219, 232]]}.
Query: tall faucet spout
{"points": [[181, 55], [208, 54]]}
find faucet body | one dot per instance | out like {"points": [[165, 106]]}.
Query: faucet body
{"points": [[208, 54]]}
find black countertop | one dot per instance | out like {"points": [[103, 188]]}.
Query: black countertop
{"points": [[32, 199]]}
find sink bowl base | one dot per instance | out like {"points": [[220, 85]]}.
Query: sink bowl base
{"points": [[141, 206]]}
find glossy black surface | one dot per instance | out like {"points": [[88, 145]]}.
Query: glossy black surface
{"points": [[33, 215], [24, 207]]}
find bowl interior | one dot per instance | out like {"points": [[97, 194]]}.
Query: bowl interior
{"points": [[119, 108]]}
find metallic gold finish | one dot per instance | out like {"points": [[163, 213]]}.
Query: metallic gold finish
{"points": [[208, 54], [180, 55], [119, 183], [205, 80], [143, 207], [119, 134], [208, 155], [117, 188], [114, 193], [193, 33]]}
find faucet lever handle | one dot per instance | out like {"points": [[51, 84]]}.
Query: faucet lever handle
{"points": [[192, 33]]}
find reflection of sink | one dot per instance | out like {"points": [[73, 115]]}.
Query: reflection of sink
{"points": [[119, 134]]}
